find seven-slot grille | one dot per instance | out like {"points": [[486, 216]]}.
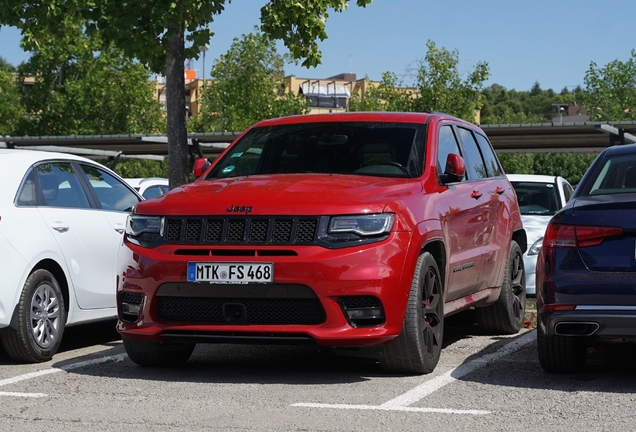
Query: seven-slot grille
{"points": [[241, 230]]}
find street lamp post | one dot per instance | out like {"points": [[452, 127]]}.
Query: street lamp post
{"points": [[203, 49]]}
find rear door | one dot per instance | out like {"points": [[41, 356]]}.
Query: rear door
{"points": [[462, 221], [83, 233], [492, 242], [115, 200]]}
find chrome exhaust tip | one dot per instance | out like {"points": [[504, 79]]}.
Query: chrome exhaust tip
{"points": [[576, 328]]}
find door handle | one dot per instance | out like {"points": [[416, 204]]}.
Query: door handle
{"points": [[475, 194], [499, 190], [119, 228], [59, 227]]}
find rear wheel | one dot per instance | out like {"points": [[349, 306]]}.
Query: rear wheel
{"points": [[417, 349], [559, 354], [41, 318], [157, 354], [506, 315]]}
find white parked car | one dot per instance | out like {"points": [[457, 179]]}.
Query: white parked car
{"points": [[539, 197], [149, 187], [62, 218]]}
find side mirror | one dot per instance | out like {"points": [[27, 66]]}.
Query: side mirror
{"points": [[200, 165], [455, 169]]}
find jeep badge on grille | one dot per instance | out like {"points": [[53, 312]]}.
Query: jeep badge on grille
{"points": [[237, 209]]}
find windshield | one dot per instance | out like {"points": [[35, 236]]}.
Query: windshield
{"points": [[613, 175], [537, 198], [358, 148]]}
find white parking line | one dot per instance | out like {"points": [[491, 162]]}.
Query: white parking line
{"points": [[65, 368], [402, 402], [26, 395]]}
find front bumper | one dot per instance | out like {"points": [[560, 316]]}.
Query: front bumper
{"points": [[315, 293]]}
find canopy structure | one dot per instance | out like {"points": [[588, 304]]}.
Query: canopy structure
{"points": [[559, 137], [520, 138], [155, 147]]}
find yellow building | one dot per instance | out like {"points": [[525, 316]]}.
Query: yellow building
{"points": [[193, 87]]}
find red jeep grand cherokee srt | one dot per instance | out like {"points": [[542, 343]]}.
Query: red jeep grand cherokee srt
{"points": [[345, 230]]}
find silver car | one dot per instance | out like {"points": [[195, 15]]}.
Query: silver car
{"points": [[539, 196]]}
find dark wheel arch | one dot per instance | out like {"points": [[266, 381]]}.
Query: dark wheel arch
{"points": [[506, 315], [418, 347]]}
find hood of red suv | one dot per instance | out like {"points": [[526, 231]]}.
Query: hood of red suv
{"points": [[282, 194]]}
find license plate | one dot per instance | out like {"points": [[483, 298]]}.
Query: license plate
{"points": [[230, 273]]}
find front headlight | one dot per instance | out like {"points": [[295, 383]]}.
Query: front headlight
{"points": [[146, 231], [353, 230], [536, 247], [364, 225]]}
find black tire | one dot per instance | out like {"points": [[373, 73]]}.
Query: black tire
{"points": [[40, 320], [506, 315], [417, 349], [156, 354], [561, 354]]}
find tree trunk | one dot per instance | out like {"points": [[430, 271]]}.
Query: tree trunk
{"points": [[176, 110]]}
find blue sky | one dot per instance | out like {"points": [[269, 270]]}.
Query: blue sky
{"points": [[523, 42]]}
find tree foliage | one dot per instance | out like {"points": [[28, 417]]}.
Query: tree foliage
{"points": [[140, 168], [439, 87], [156, 33], [247, 86], [11, 110], [82, 87], [389, 95], [442, 88], [610, 92], [570, 166], [6, 66], [301, 24], [502, 106]]}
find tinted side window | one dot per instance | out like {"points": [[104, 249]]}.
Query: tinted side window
{"points": [[492, 163], [112, 194], [27, 193], [567, 192], [475, 167], [60, 186], [447, 143]]}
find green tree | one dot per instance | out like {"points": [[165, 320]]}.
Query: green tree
{"points": [[517, 163], [570, 166], [140, 168], [514, 107], [389, 95], [156, 34], [441, 87], [610, 92], [11, 110], [6, 66], [83, 87], [247, 86]]}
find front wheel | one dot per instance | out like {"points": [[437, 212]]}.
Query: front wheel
{"points": [[506, 315], [156, 354], [418, 348], [41, 318]]}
